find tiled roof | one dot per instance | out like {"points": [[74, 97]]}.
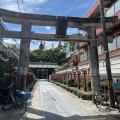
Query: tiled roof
{"points": [[43, 66]]}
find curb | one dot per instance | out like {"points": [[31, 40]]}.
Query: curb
{"points": [[80, 95]]}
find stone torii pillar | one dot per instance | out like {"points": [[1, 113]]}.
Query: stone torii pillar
{"points": [[24, 56], [94, 64]]}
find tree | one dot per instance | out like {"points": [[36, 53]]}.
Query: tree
{"points": [[72, 45], [14, 47], [64, 46], [50, 55]]}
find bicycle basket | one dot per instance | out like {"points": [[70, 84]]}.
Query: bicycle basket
{"points": [[116, 86], [5, 91], [24, 95]]}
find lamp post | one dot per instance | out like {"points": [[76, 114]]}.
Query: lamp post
{"points": [[108, 68]]}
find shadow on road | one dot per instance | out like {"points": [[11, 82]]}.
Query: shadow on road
{"points": [[34, 114]]}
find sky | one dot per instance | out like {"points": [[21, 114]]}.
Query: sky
{"points": [[71, 8]]}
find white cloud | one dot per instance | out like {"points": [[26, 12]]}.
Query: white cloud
{"points": [[16, 29], [49, 44], [12, 7], [33, 46], [27, 4], [11, 41], [34, 1], [48, 28]]}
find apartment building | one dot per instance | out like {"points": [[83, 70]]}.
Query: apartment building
{"points": [[111, 8], [4, 47]]}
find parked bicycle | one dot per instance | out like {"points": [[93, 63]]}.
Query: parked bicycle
{"points": [[102, 96], [16, 99], [116, 88]]}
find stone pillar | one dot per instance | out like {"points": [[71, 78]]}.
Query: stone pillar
{"points": [[94, 63], [24, 56]]}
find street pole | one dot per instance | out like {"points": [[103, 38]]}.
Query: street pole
{"points": [[107, 58]]}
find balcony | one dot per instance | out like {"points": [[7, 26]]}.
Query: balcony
{"points": [[114, 9], [95, 8]]}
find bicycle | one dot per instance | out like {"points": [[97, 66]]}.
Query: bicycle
{"points": [[11, 98], [116, 88], [102, 96]]}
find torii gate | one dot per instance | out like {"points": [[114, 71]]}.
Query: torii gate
{"points": [[61, 23]]}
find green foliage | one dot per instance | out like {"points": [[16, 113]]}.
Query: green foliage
{"points": [[67, 82], [64, 66], [35, 55], [72, 45], [14, 47], [64, 46], [89, 84], [50, 55], [55, 79], [5, 66], [30, 70], [4, 54]]}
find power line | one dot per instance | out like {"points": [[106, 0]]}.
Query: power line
{"points": [[23, 6], [7, 30], [18, 6], [75, 7]]}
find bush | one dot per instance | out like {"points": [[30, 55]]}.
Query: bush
{"points": [[55, 79], [30, 77], [89, 84], [72, 83], [64, 66], [67, 82]]}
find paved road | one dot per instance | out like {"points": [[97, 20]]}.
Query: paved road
{"points": [[51, 102], [55, 106]]}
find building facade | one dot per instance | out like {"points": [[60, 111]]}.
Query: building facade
{"points": [[111, 8]]}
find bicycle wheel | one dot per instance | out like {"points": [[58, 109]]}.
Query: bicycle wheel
{"points": [[118, 103], [21, 106], [6, 103], [98, 100]]}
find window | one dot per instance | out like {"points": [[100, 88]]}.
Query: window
{"points": [[84, 56], [99, 50], [118, 42], [81, 57], [102, 49], [112, 46]]}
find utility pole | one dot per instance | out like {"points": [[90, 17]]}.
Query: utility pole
{"points": [[107, 58]]}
